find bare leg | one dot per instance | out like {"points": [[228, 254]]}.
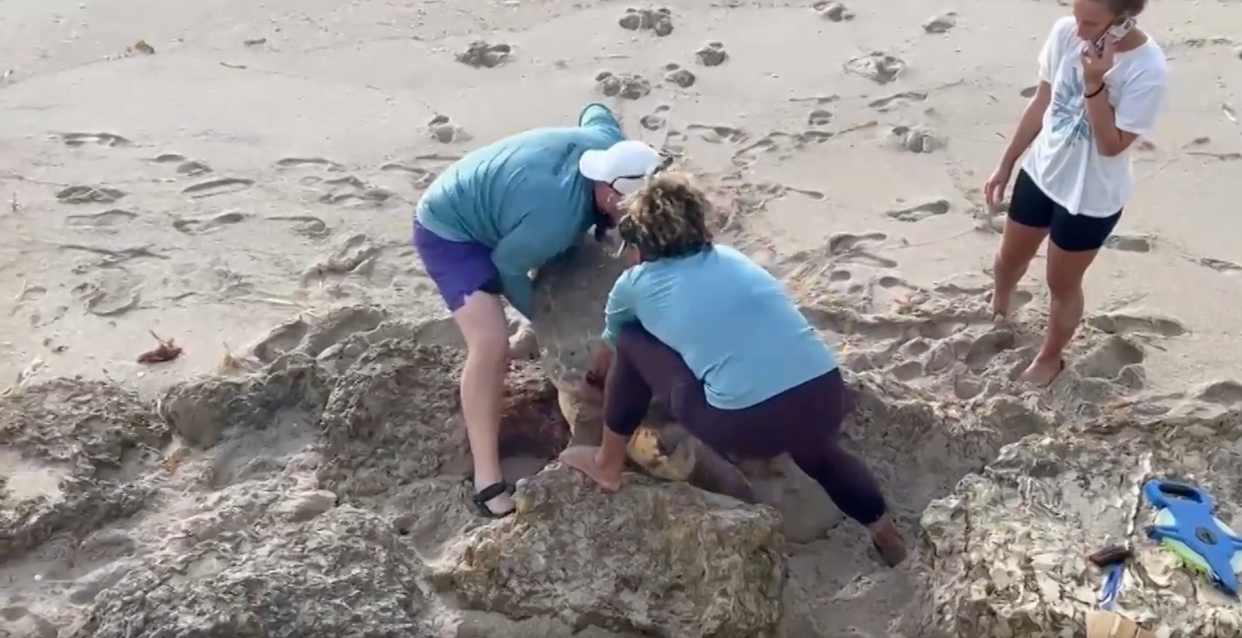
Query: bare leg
{"points": [[1018, 246], [1065, 272], [482, 323]]}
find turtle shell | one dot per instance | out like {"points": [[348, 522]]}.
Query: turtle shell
{"points": [[568, 308]]}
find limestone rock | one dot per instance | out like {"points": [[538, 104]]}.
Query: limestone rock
{"points": [[72, 451], [394, 417], [201, 410], [344, 574], [1010, 543], [665, 559]]}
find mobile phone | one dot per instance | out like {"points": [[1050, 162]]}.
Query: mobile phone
{"points": [[1120, 27]]}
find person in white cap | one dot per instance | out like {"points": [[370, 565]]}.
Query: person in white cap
{"points": [[499, 213]]}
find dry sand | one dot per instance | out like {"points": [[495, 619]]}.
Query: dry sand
{"points": [[250, 162]]}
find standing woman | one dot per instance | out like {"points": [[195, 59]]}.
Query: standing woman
{"points": [[719, 340], [1103, 82]]}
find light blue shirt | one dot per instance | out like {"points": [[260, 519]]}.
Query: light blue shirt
{"points": [[522, 196], [734, 324]]}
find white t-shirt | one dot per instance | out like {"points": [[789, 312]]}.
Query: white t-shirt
{"points": [[1064, 159]]}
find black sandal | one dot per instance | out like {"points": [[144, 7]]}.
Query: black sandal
{"points": [[488, 493]]}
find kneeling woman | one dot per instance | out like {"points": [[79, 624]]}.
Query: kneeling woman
{"points": [[718, 339]]}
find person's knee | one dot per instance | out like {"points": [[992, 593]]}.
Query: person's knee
{"points": [[1064, 286], [483, 327]]}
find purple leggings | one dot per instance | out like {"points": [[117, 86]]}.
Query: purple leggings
{"points": [[803, 421]]}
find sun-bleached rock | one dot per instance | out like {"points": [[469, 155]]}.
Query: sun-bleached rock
{"points": [[1010, 543], [661, 558]]}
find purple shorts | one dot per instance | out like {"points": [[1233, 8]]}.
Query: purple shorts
{"points": [[459, 268]]}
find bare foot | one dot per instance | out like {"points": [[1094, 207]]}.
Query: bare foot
{"points": [[888, 542], [584, 458], [1000, 308], [1042, 372]]}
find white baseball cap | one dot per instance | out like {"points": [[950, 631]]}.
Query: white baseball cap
{"points": [[624, 166]]}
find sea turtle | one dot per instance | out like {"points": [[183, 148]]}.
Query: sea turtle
{"points": [[570, 293]]}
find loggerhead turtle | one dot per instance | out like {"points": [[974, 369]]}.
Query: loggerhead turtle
{"points": [[569, 299]]}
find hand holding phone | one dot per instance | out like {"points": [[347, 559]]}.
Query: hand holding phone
{"points": [[1119, 29]]}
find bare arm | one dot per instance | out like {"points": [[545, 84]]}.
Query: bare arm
{"points": [[1110, 140], [1029, 125]]}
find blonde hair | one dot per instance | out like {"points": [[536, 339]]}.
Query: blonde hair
{"points": [[667, 217]]}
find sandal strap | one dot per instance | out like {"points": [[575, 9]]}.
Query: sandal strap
{"points": [[488, 493]]}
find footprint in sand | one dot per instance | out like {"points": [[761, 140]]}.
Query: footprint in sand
{"points": [[711, 54], [919, 212], [819, 117], [217, 186], [105, 220], [1226, 392], [420, 178], [305, 225], [717, 134], [897, 100], [679, 76], [658, 20], [1126, 322], [193, 167], [877, 66], [1107, 360], [656, 119], [1029, 92], [184, 166], [350, 190], [209, 224], [833, 11], [481, 54], [916, 139], [298, 162], [856, 248], [1128, 243], [18, 621], [988, 347], [630, 86], [445, 131], [940, 23], [778, 142], [100, 139], [89, 195], [355, 256], [113, 291], [1219, 265]]}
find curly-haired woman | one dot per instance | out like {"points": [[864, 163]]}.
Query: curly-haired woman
{"points": [[719, 340]]}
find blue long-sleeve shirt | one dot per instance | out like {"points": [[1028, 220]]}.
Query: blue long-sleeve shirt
{"points": [[734, 324], [522, 196]]}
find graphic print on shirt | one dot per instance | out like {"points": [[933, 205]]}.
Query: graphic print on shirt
{"points": [[1069, 108]]}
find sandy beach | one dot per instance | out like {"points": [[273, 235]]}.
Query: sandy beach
{"points": [[208, 172]]}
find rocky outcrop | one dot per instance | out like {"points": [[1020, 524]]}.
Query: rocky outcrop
{"points": [[342, 574], [394, 417], [664, 559], [293, 388], [73, 453], [1010, 543]]}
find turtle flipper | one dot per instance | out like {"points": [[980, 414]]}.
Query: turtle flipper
{"points": [[713, 473]]}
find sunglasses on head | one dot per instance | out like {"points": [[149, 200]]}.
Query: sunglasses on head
{"points": [[665, 162]]}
